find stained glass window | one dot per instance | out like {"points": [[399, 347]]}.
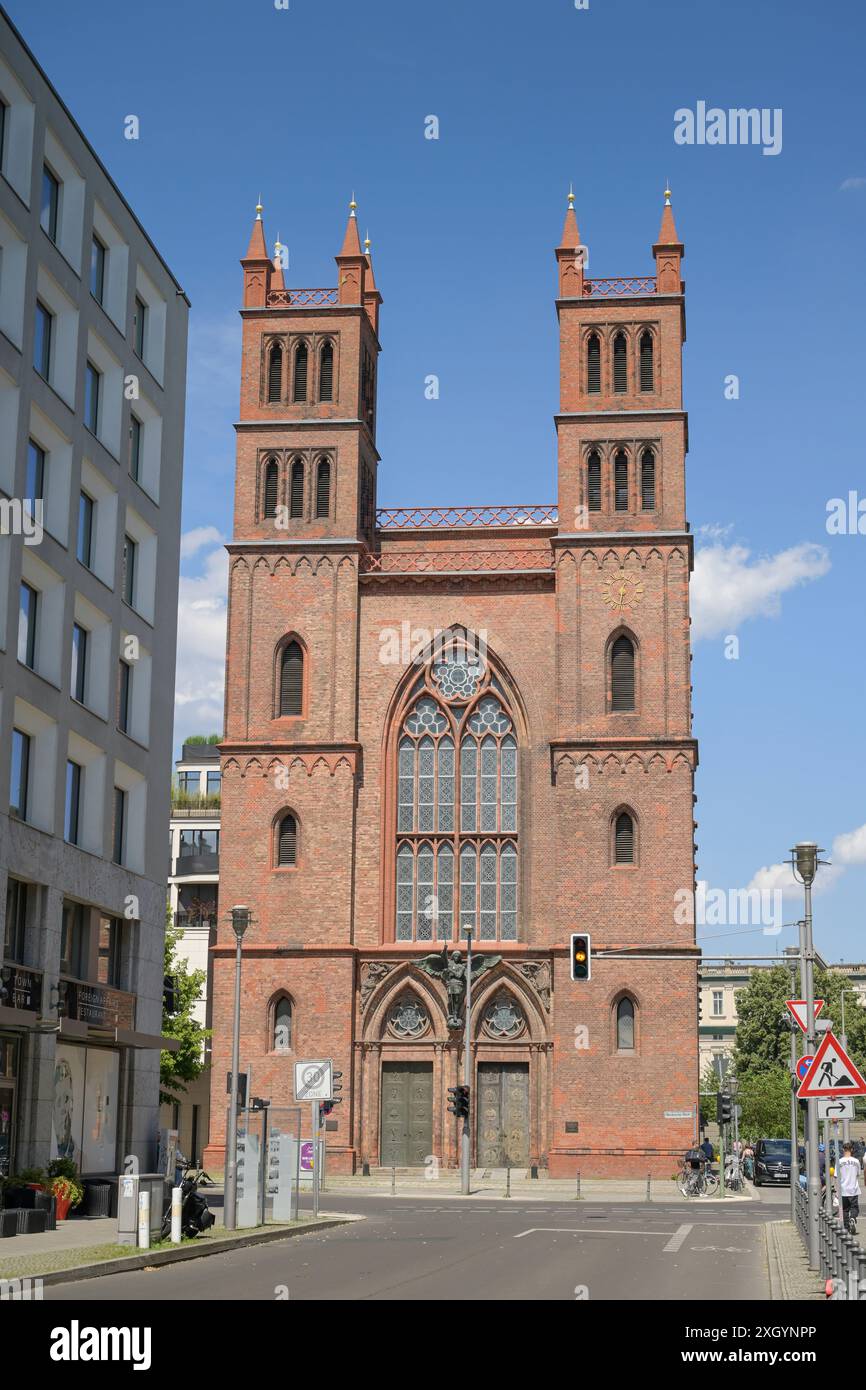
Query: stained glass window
{"points": [[456, 807]]}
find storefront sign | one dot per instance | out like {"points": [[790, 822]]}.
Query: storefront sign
{"points": [[96, 1005], [20, 988]]}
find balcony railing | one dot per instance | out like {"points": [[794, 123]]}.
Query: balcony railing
{"points": [[295, 299], [194, 804], [459, 518], [457, 561], [614, 285], [191, 865]]}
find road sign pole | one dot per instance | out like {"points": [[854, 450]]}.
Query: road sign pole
{"points": [[795, 1138], [465, 1134], [316, 1117], [812, 1178]]}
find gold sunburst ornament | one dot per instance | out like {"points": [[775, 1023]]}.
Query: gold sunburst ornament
{"points": [[622, 590]]}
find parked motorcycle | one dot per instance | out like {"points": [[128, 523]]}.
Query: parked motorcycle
{"points": [[195, 1214]]}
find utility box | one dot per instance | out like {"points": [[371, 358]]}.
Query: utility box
{"points": [[129, 1185]]}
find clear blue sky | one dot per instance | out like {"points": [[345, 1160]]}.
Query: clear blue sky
{"points": [[305, 105]]}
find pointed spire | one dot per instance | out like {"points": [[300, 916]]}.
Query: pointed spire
{"points": [[257, 250], [570, 234], [351, 243], [668, 232], [277, 281]]}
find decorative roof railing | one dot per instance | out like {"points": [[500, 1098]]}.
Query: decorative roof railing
{"points": [[294, 299], [455, 518], [456, 561], [620, 285]]}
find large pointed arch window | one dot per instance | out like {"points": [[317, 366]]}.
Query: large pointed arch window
{"points": [[457, 805]]}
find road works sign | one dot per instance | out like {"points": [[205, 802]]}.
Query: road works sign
{"points": [[313, 1080], [800, 1010], [832, 1073]]}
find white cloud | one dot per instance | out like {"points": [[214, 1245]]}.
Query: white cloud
{"points": [[848, 184], [201, 639], [773, 876], [192, 541], [850, 848], [728, 586]]}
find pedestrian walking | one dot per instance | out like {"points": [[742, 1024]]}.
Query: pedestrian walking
{"points": [[849, 1171]]}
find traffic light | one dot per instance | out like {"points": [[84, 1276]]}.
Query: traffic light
{"points": [[580, 957], [328, 1105], [169, 996], [724, 1108], [458, 1103], [700, 1004]]}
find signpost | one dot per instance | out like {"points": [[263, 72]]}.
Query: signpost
{"points": [[798, 1008], [314, 1081], [831, 1074]]}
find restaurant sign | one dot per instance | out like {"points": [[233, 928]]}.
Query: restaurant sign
{"points": [[96, 1005], [20, 988]]}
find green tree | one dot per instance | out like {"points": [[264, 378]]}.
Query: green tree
{"points": [[765, 1100], [178, 1069]]}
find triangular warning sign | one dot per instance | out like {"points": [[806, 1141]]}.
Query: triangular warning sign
{"points": [[832, 1073], [799, 1009]]}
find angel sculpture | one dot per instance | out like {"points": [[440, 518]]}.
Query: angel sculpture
{"points": [[452, 973]]}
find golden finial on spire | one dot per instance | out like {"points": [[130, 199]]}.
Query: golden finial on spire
{"points": [[367, 244], [571, 196], [352, 205], [259, 209], [667, 194]]}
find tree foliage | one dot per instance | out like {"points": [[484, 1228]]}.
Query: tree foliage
{"points": [[178, 1069]]}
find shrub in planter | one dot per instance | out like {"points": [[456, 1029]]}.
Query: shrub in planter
{"points": [[63, 1168], [33, 1177], [68, 1192]]}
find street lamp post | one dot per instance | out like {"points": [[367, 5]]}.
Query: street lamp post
{"points": [[793, 955], [466, 1135], [240, 918], [804, 862]]}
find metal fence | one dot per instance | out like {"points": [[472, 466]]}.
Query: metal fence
{"points": [[842, 1259]]}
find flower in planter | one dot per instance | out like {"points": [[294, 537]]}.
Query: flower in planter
{"points": [[68, 1191]]}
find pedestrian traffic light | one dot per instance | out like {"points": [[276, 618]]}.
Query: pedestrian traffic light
{"points": [[580, 957], [700, 1004], [724, 1108], [458, 1102], [337, 1077]]}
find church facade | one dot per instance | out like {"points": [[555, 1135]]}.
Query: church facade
{"points": [[467, 717]]}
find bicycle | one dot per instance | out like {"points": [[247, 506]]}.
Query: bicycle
{"points": [[698, 1180]]}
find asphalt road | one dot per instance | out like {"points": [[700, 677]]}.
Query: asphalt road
{"points": [[430, 1250]]}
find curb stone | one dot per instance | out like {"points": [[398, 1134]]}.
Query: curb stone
{"points": [[155, 1258], [790, 1276]]}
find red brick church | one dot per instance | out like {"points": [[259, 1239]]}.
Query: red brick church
{"points": [[463, 716]]}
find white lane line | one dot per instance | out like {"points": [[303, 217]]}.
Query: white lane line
{"points": [[587, 1230], [676, 1240]]}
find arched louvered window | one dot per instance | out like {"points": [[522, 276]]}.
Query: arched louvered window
{"points": [[291, 679], [299, 392], [323, 488], [270, 489], [646, 361], [326, 373], [648, 480], [620, 363], [622, 674], [593, 481], [625, 1025], [275, 373], [296, 496], [620, 481], [457, 813], [624, 839], [593, 363], [283, 1023], [287, 842]]}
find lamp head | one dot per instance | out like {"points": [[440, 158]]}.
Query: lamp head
{"points": [[804, 860], [240, 920]]}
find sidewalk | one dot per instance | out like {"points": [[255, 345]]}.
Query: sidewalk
{"points": [[790, 1275], [489, 1183]]}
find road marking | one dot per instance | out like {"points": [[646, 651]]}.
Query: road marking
{"points": [[723, 1249], [676, 1240], [587, 1230]]}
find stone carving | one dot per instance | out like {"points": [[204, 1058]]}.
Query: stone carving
{"points": [[503, 1018], [537, 972], [372, 972], [408, 1019]]}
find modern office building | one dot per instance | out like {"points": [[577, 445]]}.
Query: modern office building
{"points": [[93, 330], [193, 889]]}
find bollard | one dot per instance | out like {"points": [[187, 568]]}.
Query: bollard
{"points": [[393, 1182], [861, 1274], [649, 1193], [144, 1220], [508, 1181], [577, 1191], [176, 1209]]}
